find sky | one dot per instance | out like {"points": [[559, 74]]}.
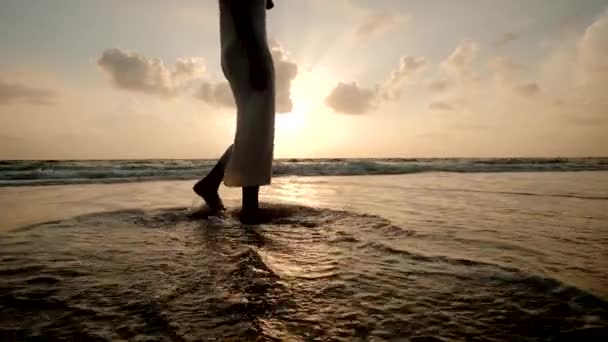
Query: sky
{"points": [[385, 78]]}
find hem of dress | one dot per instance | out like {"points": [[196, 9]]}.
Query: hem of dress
{"points": [[236, 185]]}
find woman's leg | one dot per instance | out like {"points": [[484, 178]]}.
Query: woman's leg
{"points": [[208, 187], [250, 198], [250, 209]]}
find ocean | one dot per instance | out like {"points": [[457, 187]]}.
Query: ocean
{"points": [[41, 172], [358, 250]]}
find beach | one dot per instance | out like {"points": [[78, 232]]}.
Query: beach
{"points": [[387, 171], [427, 256]]}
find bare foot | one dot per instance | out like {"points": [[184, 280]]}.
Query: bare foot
{"points": [[203, 212], [210, 196]]}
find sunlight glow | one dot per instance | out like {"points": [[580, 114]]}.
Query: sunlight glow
{"points": [[292, 122], [307, 93]]}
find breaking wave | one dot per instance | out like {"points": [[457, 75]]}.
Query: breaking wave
{"points": [[110, 171]]}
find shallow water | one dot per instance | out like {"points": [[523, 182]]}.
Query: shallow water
{"points": [[418, 257]]}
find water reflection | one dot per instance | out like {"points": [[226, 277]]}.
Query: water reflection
{"points": [[295, 191]]}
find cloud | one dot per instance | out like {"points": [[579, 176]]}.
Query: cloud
{"points": [[438, 85], [508, 98], [562, 95], [505, 70], [508, 76], [351, 98], [187, 69], [506, 39], [134, 72], [390, 90], [219, 94], [594, 45], [457, 69], [459, 64], [507, 83], [505, 65], [407, 66], [441, 106], [592, 70], [379, 22], [16, 92], [457, 75], [286, 70], [577, 73]]}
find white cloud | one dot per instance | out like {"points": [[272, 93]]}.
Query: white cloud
{"points": [[459, 64], [592, 58], [408, 65]]}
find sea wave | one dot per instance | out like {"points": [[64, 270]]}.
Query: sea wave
{"points": [[38, 172]]}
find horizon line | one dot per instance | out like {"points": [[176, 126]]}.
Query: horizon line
{"points": [[313, 158]]}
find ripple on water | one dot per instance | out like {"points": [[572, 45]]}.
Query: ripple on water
{"points": [[307, 274]]}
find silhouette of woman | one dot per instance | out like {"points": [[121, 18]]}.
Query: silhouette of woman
{"points": [[247, 65]]}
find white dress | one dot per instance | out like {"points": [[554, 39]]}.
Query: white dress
{"points": [[250, 163]]}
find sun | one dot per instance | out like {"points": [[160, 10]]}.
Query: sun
{"points": [[308, 91], [290, 123], [297, 132], [290, 128]]}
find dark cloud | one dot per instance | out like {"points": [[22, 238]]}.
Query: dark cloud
{"points": [[16, 92], [441, 106], [506, 39], [132, 71], [351, 99]]}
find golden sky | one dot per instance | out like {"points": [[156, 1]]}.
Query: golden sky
{"points": [[393, 78]]}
